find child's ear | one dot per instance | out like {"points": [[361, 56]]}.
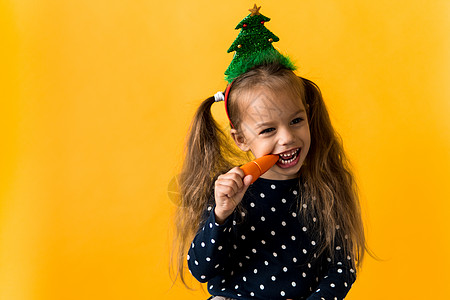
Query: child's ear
{"points": [[240, 140]]}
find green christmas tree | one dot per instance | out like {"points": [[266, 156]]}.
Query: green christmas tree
{"points": [[253, 46]]}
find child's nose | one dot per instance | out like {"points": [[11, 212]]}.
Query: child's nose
{"points": [[286, 136]]}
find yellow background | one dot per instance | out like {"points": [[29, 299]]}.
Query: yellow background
{"points": [[96, 97]]}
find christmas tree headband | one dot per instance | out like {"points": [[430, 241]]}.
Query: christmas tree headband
{"points": [[252, 47]]}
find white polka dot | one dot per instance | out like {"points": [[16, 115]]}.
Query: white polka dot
{"points": [[263, 242], [253, 228], [283, 223], [285, 269], [263, 218], [351, 270], [274, 278], [208, 259], [304, 251], [313, 243], [337, 227], [209, 208], [211, 287], [338, 248], [243, 237], [203, 277], [223, 289], [294, 259], [273, 186], [203, 244], [328, 259], [266, 262], [283, 200], [314, 219], [282, 293], [294, 192], [193, 245], [261, 287], [305, 205], [255, 271], [196, 263], [254, 250], [339, 270], [272, 232], [244, 278], [239, 295], [236, 287], [294, 214], [220, 248], [188, 257], [293, 238], [262, 195], [332, 285], [252, 294], [314, 197], [216, 266], [346, 236], [223, 280], [304, 274], [273, 209], [304, 228], [339, 263], [294, 283], [348, 257], [243, 214], [210, 225], [275, 254], [240, 264], [283, 246], [252, 204], [235, 247], [213, 241], [309, 265], [318, 290], [345, 284]]}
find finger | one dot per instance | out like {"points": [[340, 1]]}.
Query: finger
{"points": [[225, 190], [233, 176]]}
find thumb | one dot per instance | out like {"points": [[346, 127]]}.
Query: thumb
{"points": [[247, 182]]}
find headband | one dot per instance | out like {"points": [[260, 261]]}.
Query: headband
{"points": [[252, 47]]}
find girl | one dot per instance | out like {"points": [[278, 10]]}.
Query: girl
{"points": [[296, 232]]}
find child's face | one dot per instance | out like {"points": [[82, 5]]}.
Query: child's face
{"points": [[274, 123]]}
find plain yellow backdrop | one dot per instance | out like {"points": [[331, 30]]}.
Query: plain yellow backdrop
{"points": [[96, 97]]}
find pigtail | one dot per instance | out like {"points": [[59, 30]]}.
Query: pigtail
{"points": [[207, 155], [330, 182]]}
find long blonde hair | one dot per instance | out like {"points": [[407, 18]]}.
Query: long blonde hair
{"points": [[329, 188]]}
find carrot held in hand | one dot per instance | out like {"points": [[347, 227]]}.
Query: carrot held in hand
{"points": [[259, 166]]}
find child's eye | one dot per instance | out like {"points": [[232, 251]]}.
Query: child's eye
{"points": [[267, 130], [296, 120]]}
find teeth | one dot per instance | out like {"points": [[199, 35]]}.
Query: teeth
{"points": [[284, 161], [289, 154]]}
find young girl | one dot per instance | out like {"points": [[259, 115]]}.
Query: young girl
{"points": [[296, 232]]}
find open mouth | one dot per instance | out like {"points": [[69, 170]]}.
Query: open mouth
{"points": [[288, 157]]}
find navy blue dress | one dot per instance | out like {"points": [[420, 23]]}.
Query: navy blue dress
{"points": [[267, 251]]}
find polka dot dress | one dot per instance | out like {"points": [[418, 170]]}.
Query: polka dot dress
{"points": [[267, 251]]}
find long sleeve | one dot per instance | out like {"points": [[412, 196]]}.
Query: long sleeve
{"points": [[209, 252], [339, 279]]}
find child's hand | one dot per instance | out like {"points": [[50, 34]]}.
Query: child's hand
{"points": [[229, 190]]}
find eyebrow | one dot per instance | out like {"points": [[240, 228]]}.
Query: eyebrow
{"points": [[262, 124]]}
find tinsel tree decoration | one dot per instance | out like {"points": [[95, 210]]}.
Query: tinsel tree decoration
{"points": [[253, 46]]}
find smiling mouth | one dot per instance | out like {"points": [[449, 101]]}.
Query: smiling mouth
{"points": [[288, 157]]}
